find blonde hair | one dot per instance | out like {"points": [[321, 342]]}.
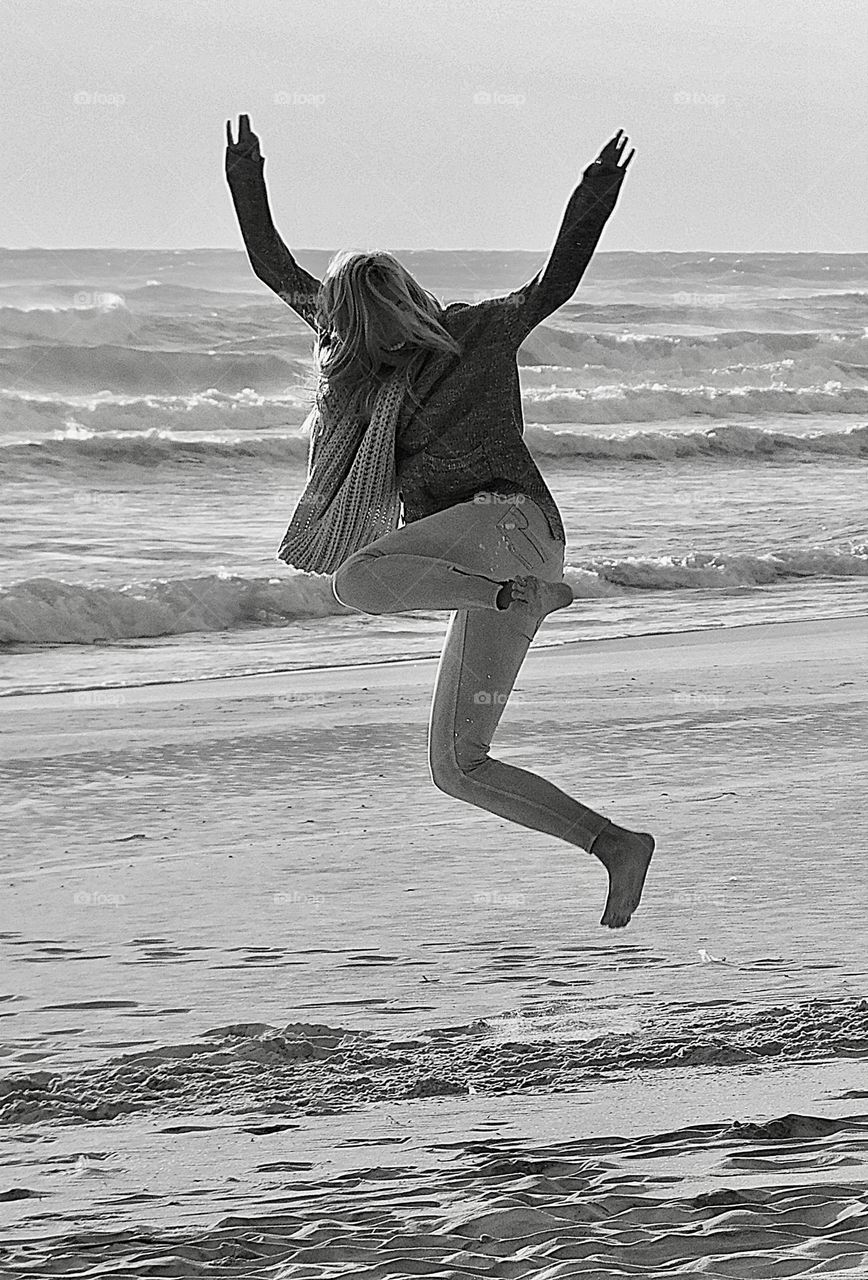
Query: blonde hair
{"points": [[368, 304]]}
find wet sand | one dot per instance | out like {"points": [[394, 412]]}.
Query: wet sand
{"points": [[448, 1067]]}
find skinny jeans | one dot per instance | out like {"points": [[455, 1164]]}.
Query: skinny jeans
{"points": [[458, 560]]}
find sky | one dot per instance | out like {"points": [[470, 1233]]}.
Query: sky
{"points": [[444, 124]]}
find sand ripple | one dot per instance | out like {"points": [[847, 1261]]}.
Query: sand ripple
{"points": [[308, 1069], [595, 1208]]}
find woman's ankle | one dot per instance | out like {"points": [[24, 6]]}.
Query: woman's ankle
{"points": [[608, 825]]}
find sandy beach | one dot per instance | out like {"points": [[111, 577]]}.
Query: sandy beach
{"points": [[273, 1006], [448, 1068]]}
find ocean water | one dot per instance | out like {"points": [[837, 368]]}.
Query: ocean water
{"points": [[702, 420]]}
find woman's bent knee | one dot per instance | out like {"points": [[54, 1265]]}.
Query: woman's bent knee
{"points": [[448, 779], [351, 584], [451, 772]]}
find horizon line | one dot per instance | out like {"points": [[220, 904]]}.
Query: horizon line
{"points": [[844, 253]]}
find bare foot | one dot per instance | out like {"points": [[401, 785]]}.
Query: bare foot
{"points": [[626, 856], [540, 596]]}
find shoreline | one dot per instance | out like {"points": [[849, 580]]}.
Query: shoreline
{"points": [[602, 644]]}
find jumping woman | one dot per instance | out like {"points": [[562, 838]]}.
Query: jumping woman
{"points": [[481, 535]]}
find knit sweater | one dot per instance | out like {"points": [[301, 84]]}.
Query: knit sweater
{"points": [[468, 434]]}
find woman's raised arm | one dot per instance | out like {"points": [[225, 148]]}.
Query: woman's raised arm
{"points": [[586, 214], [269, 257]]}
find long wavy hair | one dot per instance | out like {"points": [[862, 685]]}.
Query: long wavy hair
{"points": [[372, 317]]}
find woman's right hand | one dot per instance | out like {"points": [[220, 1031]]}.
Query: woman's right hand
{"points": [[247, 146]]}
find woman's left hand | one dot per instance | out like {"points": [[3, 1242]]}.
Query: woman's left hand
{"points": [[610, 157]]}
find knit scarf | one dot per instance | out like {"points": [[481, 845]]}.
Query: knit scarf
{"points": [[351, 497]]}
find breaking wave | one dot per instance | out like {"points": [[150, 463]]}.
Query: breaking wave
{"points": [[685, 354], [81, 446], [50, 611], [658, 402]]}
